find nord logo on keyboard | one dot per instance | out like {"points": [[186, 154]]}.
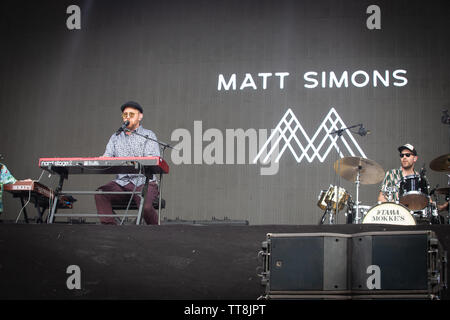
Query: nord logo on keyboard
{"points": [[57, 163]]}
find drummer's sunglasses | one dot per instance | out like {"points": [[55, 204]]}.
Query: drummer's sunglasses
{"points": [[405, 155]]}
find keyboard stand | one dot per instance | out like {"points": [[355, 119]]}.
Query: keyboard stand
{"points": [[59, 192]]}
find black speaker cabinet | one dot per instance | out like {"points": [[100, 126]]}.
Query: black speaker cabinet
{"points": [[397, 264], [376, 265], [305, 265]]}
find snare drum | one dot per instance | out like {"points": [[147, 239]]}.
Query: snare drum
{"points": [[389, 213], [414, 192], [332, 195]]}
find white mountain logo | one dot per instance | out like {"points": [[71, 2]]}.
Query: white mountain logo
{"points": [[289, 134]]}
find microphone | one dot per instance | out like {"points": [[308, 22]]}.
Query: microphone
{"points": [[363, 131], [122, 128]]}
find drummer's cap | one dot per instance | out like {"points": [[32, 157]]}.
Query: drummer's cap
{"points": [[408, 146], [133, 105]]}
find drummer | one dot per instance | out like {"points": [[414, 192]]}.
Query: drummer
{"points": [[391, 183]]}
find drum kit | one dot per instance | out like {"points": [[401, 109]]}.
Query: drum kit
{"points": [[414, 205]]}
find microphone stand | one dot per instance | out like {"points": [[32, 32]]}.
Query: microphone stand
{"points": [[339, 133], [445, 119], [164, 147], [447, 199]]}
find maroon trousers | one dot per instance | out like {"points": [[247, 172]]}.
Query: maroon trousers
{"points": [[103, 201]]}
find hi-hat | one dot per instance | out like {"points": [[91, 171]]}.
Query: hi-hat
{"points": [[441, 164], [443, 190], [370, 172]]}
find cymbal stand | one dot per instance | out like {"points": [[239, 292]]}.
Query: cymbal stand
{"points": [[333, 216], [350, 210], [447, 199], [329, 212], [445, 119], [339, 133], [357, 182]]}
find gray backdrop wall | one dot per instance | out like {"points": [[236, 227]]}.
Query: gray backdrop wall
{"points": [[61, 89]]}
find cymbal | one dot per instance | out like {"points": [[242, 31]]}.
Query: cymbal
{"points": [[443, 190], [441, 164], [370, 171]]}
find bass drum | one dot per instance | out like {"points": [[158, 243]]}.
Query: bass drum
{"points": [[389, 213]]}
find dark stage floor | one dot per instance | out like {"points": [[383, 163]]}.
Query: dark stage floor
{"points": [[172, 261]]}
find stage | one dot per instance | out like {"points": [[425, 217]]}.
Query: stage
{"points": [[173, 261]]}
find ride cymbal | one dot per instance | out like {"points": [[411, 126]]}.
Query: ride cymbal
{"points": [[370, 172], [441, 164]]}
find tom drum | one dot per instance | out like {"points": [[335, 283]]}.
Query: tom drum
{"points": [[414, 192]]}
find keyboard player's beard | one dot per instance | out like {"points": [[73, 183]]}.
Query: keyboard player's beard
{"points": [[133, 125]]}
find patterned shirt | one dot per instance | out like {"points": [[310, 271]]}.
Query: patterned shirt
{"points": [[132, 145], [391, 183], [5, 178]]}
